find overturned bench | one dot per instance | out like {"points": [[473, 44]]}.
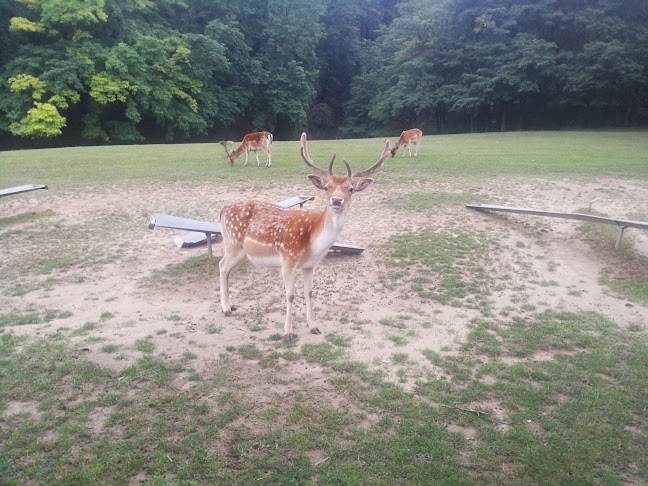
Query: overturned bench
{"points": [[202, 231], [10, 191], [621, 223]]}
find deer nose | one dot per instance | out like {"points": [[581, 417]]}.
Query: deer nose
{"points": [[336, 201]]}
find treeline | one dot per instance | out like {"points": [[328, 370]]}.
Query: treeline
{"points": [[130, 71]]}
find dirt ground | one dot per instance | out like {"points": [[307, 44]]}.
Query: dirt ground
{"points": [[112, 286]]}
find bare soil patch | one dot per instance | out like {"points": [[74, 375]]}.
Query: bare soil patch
{"points": [[111, 294]]}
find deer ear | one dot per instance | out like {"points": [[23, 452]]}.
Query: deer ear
{"points": [[317, 182], [362, 184]]}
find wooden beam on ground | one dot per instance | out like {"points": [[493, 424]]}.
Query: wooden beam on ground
{"points": [[18, 189], [194, 238], [339, 247], [621, 223], [175, 222], [202, 231], [198, 238]]}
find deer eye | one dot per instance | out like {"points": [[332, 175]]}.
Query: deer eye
{"points": [[351, 190]]}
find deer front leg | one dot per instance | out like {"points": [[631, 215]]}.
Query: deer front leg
{"points": [[288, 271], [257, 157], [308, 294], [226, 265]]}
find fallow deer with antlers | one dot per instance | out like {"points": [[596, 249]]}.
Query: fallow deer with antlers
{"points": [[408, 137], [252, 142], [270, 236]]}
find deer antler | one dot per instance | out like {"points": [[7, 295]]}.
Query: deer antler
{"points": [[362, 173], [377, 165], [309, 162], [348, 167]]}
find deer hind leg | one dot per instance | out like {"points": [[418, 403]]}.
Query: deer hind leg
{"points": [[308, 294], [288, 271], [231, 259]]}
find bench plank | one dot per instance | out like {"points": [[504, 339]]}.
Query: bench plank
{"points": [[294, 201], [582, 217], [10, 191], [175, 222], [196, 238], [201, 231], [342, 248]]}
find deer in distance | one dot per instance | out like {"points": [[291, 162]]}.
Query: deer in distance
{"points": [[291, 239], [252, 142], [408, 137]]}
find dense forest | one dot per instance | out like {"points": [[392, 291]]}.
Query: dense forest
{"points": [[131, 71]]}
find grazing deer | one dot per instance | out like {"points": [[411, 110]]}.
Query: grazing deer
{"points": [[408, 137], [271, 236], [252, 142]]}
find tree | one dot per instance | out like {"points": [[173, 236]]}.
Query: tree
{"points": [[138, 70], [348, 26], [292, 30]]}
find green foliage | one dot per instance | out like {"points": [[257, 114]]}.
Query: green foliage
{"points": [[106, 88], [290, 61], [140, 70], [43, 120], [26, 83], [24, 25], [72, 12], [466, 67], [55, 16]]}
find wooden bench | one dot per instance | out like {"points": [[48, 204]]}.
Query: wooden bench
{"points": [[18, 189], [621, 223], [202, 231]]}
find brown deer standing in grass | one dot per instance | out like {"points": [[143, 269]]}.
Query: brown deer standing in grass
{"points": [[252, 142], [270, 236], [408, 137]]}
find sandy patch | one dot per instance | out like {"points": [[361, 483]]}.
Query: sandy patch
{"points": [[542, 262]]}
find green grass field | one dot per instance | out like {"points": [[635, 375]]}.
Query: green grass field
{"points": [[619, 153], [573, 385]]}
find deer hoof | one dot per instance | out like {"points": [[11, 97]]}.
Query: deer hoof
{"points": [[227, 313], [288, 337], [315, 330], [233, 308]]}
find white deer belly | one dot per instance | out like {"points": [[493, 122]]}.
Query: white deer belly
{"points": [[265, 261], [261, 254]]}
